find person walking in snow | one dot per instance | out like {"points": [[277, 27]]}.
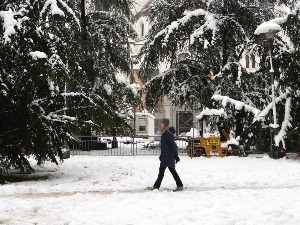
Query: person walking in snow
{"points": [[169, 155]]}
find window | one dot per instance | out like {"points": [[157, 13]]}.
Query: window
{"points": [[142, 124], [247, 61], [142, 30], [184, 121], [252, 60], [142, 128]]}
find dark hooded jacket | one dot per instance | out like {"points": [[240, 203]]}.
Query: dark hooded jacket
{"points": [[168, 148]]}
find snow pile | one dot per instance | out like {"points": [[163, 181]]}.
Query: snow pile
{"points": [[53, 9], [211, 112], [109, 190], [144, 113], [193, 133], [14, 19], [260, 115], [38, 55], [175, 25], [210, 24], [232, 141], [108, 89], [267, 27], [285, 124], [238, 104], [9, 23]]}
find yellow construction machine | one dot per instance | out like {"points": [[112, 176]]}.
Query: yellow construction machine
{"points": [[214, 139]]}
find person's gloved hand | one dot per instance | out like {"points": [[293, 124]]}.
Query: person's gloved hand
{"points": [[177, 159]]}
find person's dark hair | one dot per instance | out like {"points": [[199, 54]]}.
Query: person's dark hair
{"points": [[165, 121]]}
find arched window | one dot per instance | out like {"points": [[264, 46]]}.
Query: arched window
{"points": [[247, 61], [252, 60], [142, 30]]}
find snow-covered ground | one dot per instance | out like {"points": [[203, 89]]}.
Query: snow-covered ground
{"points": [[109, 191]]}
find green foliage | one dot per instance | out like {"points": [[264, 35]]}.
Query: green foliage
{"points": [[288, 62], [107, 51], [36, 65], [214, 33], [218, 33], [53, 83], [180, 83], [122, 7]]}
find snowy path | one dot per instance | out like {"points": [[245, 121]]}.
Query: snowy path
{"points": [[109, 191], [135, 191]]}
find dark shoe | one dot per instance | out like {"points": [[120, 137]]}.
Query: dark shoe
{"points": [[178, 189], [151, 188]]}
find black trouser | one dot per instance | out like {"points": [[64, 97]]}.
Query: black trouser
{"points": [[161, 176]]}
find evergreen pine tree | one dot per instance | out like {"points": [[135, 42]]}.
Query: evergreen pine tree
{"points": [[48, 93], [107, 51], [287, 64], [216, 34]]}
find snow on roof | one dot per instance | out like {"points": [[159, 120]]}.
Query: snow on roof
{"points": [[211, 112], [148, 4], [145, 114]]}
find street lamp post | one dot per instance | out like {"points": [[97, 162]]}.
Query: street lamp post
{"points": [[270, 37], [269, 29]]}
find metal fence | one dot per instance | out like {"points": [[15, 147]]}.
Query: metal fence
{"points": [[122, 146]]}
